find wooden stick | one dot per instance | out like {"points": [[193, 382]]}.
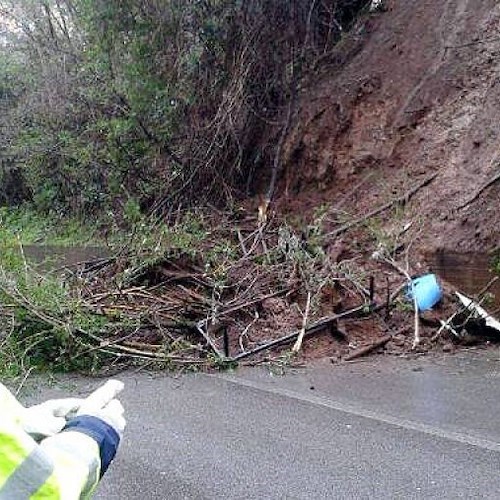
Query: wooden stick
{"points": [[475, 42], [372, 289], [199, 327], [416, 339], [300, 338], [225, 337], [387, 300], [367, 349], [446, 325], [23, 256], [249, 303], [242, 243], [406, 274]]}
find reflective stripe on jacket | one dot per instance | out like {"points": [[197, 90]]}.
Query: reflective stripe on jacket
{"points": [[66, 466]]}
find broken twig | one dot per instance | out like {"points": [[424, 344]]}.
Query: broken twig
{"points": [[362, 351], [300, 338], [199, 328]]}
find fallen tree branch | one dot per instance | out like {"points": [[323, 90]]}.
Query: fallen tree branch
{"points": [[400, 200], [406, 274], [315, 327], [199, 327]]}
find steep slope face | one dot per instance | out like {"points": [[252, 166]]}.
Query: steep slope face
{"points": [[420, 95]]}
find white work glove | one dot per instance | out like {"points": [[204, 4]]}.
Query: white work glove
{"points": [[102, 404], [48, 418]]}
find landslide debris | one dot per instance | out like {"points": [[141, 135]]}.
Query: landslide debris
{"points": [[391, 154]]}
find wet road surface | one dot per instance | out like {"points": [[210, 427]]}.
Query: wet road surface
{"points": [[377, 429]]}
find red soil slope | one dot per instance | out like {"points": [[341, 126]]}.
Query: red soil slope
{"points": [[411, 91]]}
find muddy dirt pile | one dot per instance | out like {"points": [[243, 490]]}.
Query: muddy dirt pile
{"points": [[410, 92]]}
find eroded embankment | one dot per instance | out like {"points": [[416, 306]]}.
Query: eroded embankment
{"points": [[421, 95]]}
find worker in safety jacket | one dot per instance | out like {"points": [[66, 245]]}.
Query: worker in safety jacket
{"points": [[58, 449]]}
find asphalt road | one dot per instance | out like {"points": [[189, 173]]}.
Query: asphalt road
{"points": [[385, 428]]}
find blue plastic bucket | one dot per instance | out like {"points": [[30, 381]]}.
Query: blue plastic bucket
{"points": [[426, 290]]}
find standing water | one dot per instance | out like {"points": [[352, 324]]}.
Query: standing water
{"points": [[54, 256]]}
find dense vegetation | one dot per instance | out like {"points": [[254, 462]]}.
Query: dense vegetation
{"points": [[130, 106], [149, 116], [115, 110]]}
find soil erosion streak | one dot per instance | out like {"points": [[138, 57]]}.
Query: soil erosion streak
{"points": [[454, 27]]}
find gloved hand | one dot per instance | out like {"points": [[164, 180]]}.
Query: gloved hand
{"points": [[102, 404], [48, 418], [100, 417]]}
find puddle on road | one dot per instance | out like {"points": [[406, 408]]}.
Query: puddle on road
{"points": [[53, 256], [467, 272]]}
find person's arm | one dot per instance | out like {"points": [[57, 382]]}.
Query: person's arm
{"points": [[78, 463], [66, 466]]}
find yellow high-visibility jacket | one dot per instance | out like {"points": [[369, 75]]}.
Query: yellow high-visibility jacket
{"points": [[66, 466]]}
